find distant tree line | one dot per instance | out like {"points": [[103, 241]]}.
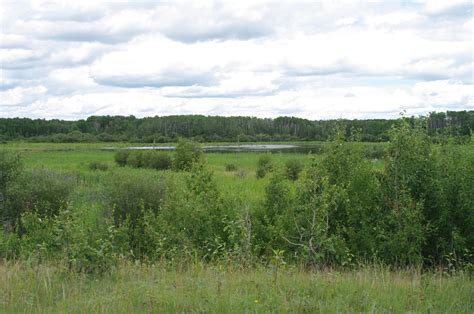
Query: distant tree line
{"points": [[215, 128]]}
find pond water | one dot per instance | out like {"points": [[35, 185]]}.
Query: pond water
{"points": [[273, 148]]}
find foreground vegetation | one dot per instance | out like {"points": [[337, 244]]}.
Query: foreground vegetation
{"points": [[133, 288], [81, 221]]}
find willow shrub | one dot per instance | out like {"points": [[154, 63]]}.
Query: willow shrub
{"points": [[10, 168], [293, 168], [186, 154], [343, 211], [336, 207], [130, 196], [151, 159], [201, 214], [84, 246], [42, 191], [156, 160], [121, 157], [451, 225], [264, 165]]}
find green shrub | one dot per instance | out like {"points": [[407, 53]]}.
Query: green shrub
{"points": [[198, 217], [135, 159], [98, 166], [453, 218], [121, 157], [130, 196], [156, 160], [293, 168], [9, 245], [42, 191], [321, 240], [85, 245], [374, 152], [186, 154], [230, 167], [268, 228], [130, 193], [409, 161], [404, 232], [264, 165], [144, 159], [10, 168], [330, 217]]}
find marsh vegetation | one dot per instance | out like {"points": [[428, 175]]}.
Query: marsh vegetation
{"points": [[341, 230]]}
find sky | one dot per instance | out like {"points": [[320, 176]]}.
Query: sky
{"points": [[308, 59]]}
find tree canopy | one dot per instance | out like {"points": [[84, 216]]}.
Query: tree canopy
{"points": [[215, 128]]}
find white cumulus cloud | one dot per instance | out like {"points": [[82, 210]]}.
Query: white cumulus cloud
{"points": [[317, 60]]}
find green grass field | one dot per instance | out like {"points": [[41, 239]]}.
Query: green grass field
{"points": [[75, 158], [159, 288], [220, 288]]}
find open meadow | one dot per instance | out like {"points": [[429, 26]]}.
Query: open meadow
{"points": [[76, 158]]}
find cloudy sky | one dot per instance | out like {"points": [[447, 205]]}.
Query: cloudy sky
{"points": [[317, 60]]}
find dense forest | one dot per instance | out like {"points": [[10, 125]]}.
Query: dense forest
{"points": [[216, 128]]}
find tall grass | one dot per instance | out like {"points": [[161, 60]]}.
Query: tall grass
{"points": [[223, 289]]}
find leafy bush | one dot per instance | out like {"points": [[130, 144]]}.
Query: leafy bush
{"points": [[9, 245], [374, 152], [409, 161], [408, 191], [404, 231], [86, 247], [130, 196], [156, 160], [269, 224], [130, 193], [186, 154], [322, 239], [98, 166], [135, 159], [121, 157], [144, 159], [293, 168], [264, 165], [42, 191], [198, 216], [69, 236], [230, 167], [331, 217], [10, 167]]}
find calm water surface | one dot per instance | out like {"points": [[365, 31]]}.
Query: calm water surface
{"points": [[274, 148]]}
